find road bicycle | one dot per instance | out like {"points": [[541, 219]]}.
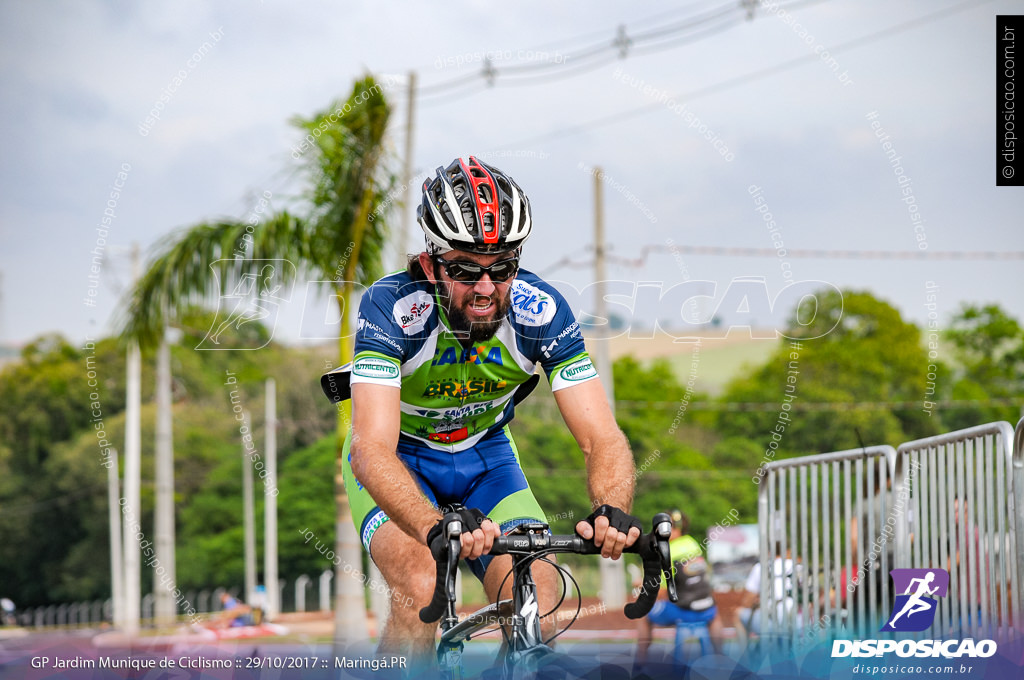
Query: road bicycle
{"points": [[527, 653]]}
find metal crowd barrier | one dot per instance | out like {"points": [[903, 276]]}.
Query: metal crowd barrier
{"points": [[964, 511], [1017, 511], [827, 529]]}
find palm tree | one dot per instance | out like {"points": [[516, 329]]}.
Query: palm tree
{"points": [[343, 211]]}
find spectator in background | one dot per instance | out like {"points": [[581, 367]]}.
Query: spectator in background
{"points": [[693, 586], [785, 574], [234, 613], [7, 612]]}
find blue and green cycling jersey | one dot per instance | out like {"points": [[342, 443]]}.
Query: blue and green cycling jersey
{"points": [[454, 396]]}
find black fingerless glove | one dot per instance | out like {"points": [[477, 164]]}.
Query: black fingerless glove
{"points": [[617, 519], [471, 519]]}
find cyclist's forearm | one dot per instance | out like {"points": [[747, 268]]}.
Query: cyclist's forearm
{"points": [[610, 471], [394, 490]]}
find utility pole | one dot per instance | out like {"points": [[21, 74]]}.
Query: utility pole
{"points": [[271, 605], [132, 478], [250, 518], [601, 337], [613, 573], [166, 606], [407, 190], [116, 539]]}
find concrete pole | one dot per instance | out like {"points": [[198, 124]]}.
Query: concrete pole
{"points": [[613, 573], [132, 478], [602, 357], [132, 493], [272, 605], [166, 607], [409, 194], [116, 540], [250, 518]]}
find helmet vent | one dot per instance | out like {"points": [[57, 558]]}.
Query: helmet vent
{"points": [[474, 207]]}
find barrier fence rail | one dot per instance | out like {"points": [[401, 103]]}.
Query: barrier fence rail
{"points": [[819, 517], [832, 526], [963, 517], [99, 612]]}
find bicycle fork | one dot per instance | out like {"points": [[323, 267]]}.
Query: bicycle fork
{"points": [[527, 644]]}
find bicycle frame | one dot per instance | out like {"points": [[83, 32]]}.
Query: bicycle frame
{"points": [[526, 646], [521, 614]]}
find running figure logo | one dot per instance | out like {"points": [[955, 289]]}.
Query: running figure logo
{"points": [[255, 299], [914, 610]]}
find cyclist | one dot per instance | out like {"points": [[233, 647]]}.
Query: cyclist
{"points": [[443, 351]]}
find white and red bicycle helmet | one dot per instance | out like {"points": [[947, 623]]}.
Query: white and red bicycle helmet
{"points": [[474, 207]]}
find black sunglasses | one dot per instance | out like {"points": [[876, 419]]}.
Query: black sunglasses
{"points": [[471, 272]]}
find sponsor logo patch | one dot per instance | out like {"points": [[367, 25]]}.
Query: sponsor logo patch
{"points": [[468, 355], [579, 370], [449, 437], [373, 523], [459, 388], [531, 305], [375, 367], [412, 311]]}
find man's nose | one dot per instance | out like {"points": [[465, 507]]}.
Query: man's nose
{"points": [[484, 286]]}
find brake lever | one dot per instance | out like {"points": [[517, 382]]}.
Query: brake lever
{"points": [[662, 531], [453, 531]]}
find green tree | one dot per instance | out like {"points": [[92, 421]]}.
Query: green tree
{"points": [[989, 348], [853, 349], [46, 499]]}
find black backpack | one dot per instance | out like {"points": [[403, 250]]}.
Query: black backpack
{"points": [[693, 584]]}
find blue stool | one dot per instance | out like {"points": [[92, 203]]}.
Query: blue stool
{"points": [[688, 631]]}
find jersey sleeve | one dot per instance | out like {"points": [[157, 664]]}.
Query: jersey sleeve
{"points": [[556, 335], [379, 349], [565, 358]]}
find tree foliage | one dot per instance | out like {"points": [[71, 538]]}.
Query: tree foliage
{"points": [[988, 347], [54, 538], [854, 349]]}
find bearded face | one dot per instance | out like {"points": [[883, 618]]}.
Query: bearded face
{"points": [[476, 314], [475, 309]]}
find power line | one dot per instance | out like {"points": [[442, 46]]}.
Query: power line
{"points": [[743, 79], [809, 253], [692, 28], [834, 406]]}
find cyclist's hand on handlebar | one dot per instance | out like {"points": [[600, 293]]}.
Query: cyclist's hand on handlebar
{"points": [[478, 533], [611, 529], [480, 541]]}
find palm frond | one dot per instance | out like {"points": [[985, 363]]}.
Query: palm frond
{"points": [[203, 262]]}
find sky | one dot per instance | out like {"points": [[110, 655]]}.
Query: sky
{"points": [[700, 135]]}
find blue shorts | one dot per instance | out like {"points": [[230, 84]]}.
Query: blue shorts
{"points": [[487, 477], [665, 613]]}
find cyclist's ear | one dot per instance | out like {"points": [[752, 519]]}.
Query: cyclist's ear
{"points": [[429, 267]]}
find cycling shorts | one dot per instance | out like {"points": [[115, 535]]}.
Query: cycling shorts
{"points": [[486, 476], [665, 613]]}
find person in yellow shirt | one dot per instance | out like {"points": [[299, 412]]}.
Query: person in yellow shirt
{"points": [[693, 585]]}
